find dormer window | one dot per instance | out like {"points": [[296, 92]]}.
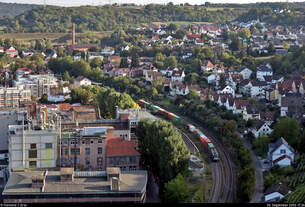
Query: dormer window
{"points": [[283, 151]]}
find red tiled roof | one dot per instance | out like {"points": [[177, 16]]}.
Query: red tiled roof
{"points": [[119, 147], [240, 103]]}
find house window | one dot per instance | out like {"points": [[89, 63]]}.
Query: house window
{"points": [[32, 164], [99, 150], [99, 161], [75, 151], [100, 141], [33, 146], [91, 141], [132, 159], [83, 142], [87, 161], [72, 141], [87, 151], [33, 153], [48, 145], [283, 151]]}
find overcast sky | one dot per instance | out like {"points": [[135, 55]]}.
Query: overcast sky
{"points": [[100, 2]]}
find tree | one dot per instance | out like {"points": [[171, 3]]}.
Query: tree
{"points": [[271, 48], [193, 95], [171, 61], [176, 191], [288, 128], [44, 98], [245, 33], [235, 44], [162, 148], [261, 145], [134, 61], [124, 63], [172, 27], [191, 78], [96, 63]]}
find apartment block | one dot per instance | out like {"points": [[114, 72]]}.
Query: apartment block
{"points": [[84, 149], [11, 97], [32, 147]]}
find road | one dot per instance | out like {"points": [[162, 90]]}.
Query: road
{"points": [[259, 179], [223, 175]]}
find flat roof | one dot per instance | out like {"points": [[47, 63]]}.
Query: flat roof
{"points": [[21, 183]]}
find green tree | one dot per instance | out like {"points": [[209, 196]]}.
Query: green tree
{"points": [[162, 148], [172, 27], [134, 61], [123, 63], [171, 61], [44, 98], [96, 63], [176, 191], [289, 129], [235, 44], [191, 78], [245, 33]]}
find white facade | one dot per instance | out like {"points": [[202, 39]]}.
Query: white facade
{"points": [[246, 73], [82, 82], [282, 155], [32, 148], [262, 131], [228, 90], [11, 97], [261, 73]]}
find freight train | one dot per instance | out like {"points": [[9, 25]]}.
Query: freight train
{"points": [[191, 128]]}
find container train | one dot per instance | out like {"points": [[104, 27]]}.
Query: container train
{"points": [[191, 128]]}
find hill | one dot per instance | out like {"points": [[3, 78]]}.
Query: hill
{"points": [[13, 9], [105, 18]]}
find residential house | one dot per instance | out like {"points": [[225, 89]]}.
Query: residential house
{"points": [[276, 192], [264, 70], [251, 112], [228, 90], [244, 71], [81, 81], [267, 116], [261, 128], [281, 153], [292, 106], [239, 105], [207, 66], [177, 75], [11, 52]]}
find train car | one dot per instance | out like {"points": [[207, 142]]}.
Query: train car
{"points": [[155, 108], [206, 141], [143, 103]]}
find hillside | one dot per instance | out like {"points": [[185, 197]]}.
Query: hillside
{"points": [[12, 9], [59, 19]]}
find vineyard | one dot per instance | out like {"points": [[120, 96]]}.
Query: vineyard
{"points": [[298, 196], [298, 183]]}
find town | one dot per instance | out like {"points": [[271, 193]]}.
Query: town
{"points": [[173, 111]]}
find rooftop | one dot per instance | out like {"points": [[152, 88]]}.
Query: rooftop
{"points": [[20, 183]]}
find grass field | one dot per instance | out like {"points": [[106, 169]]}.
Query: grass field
{"points": [[181, 23], [54, 37]]}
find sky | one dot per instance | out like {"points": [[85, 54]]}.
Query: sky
{"points": [[101, 2]]}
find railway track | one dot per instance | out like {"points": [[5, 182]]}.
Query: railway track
{"points": [[223, 175]]}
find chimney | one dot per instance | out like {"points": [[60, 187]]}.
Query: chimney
{"points": [[73, 33], [115, 184], [113, 175], [117, 112], [66, 174]]}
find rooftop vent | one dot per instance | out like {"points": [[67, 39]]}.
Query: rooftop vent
{"points": [[66, 174]]}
